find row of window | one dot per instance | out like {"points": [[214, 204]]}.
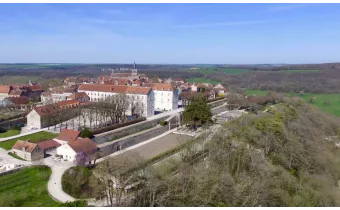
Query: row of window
{"points": [[161, 93], [106, 95]]}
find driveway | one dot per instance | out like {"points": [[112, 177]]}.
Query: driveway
{"points": [[5, 158], [54, 186]]}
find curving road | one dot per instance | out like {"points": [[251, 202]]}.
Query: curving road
{"points": [[54, 186]]}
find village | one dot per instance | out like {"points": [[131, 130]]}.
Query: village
{"points": [[101, 105]]}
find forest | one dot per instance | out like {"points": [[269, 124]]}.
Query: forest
{"points": [[286, 154]]}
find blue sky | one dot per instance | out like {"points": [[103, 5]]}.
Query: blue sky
{"points": [[170, 33]]}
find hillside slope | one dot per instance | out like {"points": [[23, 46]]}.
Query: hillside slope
{"points": [[286, 156]]}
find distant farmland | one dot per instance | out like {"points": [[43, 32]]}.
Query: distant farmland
{"points": [[294, 71], [202, 80], [326, 102], [215, 70]]}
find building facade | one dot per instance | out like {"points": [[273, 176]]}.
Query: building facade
{"points": [[140, 97], [166, 97]]}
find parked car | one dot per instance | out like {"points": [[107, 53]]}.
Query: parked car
{"points": [[20, 125]]}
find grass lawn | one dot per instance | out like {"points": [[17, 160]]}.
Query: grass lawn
{"points": [[35, 137], [333, 100], [9, 133], [16, 156], [26, 187], [201, 80]]}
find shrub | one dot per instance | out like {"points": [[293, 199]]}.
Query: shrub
{"points": [[16, 127], [77, 203], [2, 130], [86, 133], [163, 123]]}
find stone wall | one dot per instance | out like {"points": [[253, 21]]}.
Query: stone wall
{"points": [[217, 103], [108, 149], [128, 130], [11, 123]]}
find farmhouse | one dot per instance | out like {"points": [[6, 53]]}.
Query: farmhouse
{"points": [[66, 135], [70, 150], [48, 145], [27, 150]]}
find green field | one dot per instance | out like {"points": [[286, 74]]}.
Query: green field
{"points": [[214, 71], [35, 137], [26, 187], [292, 71], [18, 79], [327, 102], [201, 80], [9, 133]]}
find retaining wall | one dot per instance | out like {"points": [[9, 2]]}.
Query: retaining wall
{"points": [[128, 130], [132, 140], [11, 171]]}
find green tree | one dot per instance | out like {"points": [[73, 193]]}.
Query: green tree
{"points": [[86, 133], [197, 111]]}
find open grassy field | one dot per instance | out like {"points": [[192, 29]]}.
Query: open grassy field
{"points": [[9, 133], [293, 71], [327, 102], [26, 187], [35, 137], [18, 79], [215, 70], [201, 80]]}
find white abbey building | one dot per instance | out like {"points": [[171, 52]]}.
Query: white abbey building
{"points": [[166, 97], [142, 98]]}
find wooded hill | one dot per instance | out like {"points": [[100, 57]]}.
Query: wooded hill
{"points": [[286, 156]]}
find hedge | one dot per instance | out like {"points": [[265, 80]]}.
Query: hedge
{"points": [[163, 123], [119, 125]]}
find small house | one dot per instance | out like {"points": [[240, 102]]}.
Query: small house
{"points": [[28, 150]]}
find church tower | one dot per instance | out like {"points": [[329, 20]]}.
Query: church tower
{"points": [[134, 70]]}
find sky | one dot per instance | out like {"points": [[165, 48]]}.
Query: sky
{"points": [[170, 33]]}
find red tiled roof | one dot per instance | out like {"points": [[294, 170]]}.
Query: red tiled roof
{"points": [[161, 86], [29, 146], [15, 92], [68, 135], [115, 89], [5, 88], [48, 144], [78, 95], [68, 103], [36, 88], [19, 100], [85, 145], [54, 108]]}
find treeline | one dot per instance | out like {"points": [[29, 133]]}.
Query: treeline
{"points": [[326, 81]]}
